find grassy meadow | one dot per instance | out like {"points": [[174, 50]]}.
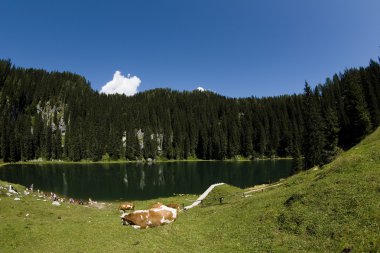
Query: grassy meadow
{"points": [[331, 209]]}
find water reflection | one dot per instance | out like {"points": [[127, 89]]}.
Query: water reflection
{"points": [[125, 179], [142, 181], [65, 184]]}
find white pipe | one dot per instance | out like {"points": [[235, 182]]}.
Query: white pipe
{"points": [[204, 195]]}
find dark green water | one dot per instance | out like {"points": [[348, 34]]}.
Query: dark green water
{"points": [[131, 181]]}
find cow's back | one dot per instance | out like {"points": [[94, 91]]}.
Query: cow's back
{"points": [[162, 215]]}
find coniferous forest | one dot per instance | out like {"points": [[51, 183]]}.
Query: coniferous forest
{"points": [[57, 116]]}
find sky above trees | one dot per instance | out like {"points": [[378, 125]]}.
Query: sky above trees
{"points": [[235, 48]]}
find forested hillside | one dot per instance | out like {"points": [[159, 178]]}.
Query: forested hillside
{"points": [[54, 115]]}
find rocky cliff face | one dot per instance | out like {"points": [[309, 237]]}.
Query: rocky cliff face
{"points": [[158, 137], [53, 114]]}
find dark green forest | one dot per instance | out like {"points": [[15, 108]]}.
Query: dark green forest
{"points": [[57, 116]]}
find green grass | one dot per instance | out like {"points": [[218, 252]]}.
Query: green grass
{"points": [[326, 210]]}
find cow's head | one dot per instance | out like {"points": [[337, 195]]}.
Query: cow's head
{"points": [[123, 220]]}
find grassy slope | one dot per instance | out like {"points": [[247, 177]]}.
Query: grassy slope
{"points": [[330, 209]]}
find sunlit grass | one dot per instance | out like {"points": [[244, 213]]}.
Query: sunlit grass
{"points": [[326, 210]]}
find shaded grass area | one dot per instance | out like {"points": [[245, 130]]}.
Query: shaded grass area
{"points": [[331, 209]]}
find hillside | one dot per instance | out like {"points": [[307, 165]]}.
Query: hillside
{"points": [[57, 116], [332, 209]]}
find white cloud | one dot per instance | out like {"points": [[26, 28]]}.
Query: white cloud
{"points": [[201, 88], [122, 85]]}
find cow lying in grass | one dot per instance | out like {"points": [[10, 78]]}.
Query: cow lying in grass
{"points": [[158, 215]]}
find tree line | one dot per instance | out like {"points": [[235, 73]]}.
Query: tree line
{"points": [[56, 115]]}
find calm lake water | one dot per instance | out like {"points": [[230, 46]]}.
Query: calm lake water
{"points": [[131, 181]]}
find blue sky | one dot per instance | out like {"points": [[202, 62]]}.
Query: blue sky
{"points": [[237, 48]]}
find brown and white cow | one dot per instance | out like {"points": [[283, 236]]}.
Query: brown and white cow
{"points": [[156, 216], [127, 206]]}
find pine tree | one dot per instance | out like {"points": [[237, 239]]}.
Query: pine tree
{"points": [[73, 142], [167, 145], [262, 143], [332, 133], [233, 137], [5, 142], [130, 145], [246, 140], [12, 147], [27, 148], [38, 135], [5, 68], [47, 153], [150, 145], [202, 144], [356, 108], [57, 144], [137, 148], [369, 87], [314, 139], [298, 163], [114, 144]]}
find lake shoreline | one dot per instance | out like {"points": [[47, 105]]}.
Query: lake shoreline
{"points": [[103, 181], [142, 161]]}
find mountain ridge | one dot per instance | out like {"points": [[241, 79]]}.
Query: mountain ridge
{"points": [[180, 124]]}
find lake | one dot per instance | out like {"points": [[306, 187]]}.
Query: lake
{"points": [[138, 181]]}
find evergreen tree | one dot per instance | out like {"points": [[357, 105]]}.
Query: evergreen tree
{"points": [[137, 148], [5, 142], [246, 139], [356, 108], [202, 146], [314, 139], [57, 145], [150, 145], [13, 154], [5, 68], [332, 133], [167, 144], [370, 86], [47, 150], [297, 164], [114, 144], [27, 148], [233, 137], [38, 135], [130, 145], [262, 144]]}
